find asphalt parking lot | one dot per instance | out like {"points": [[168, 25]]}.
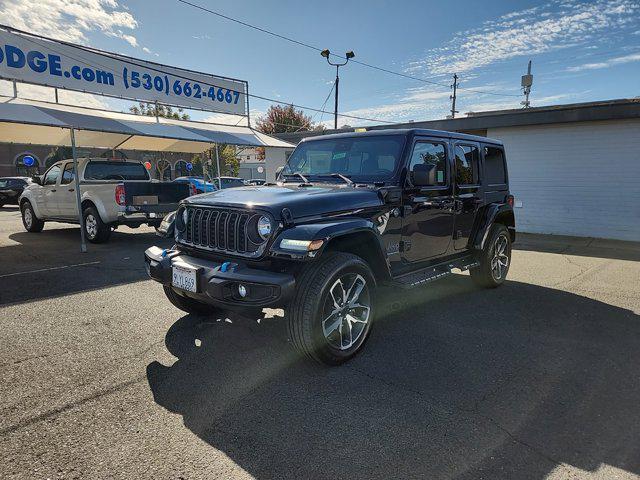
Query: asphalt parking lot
{"points": [[101, 377]]}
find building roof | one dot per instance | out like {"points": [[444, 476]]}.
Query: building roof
{"points": [[406, 131], [44, 123], [478, 121]]}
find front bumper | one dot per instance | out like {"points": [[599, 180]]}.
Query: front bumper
{"points": [[217, 283]]}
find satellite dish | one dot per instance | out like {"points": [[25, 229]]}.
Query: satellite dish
{"points": [[28, 161]]}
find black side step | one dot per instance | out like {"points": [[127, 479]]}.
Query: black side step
{"points": [[435, 272]]}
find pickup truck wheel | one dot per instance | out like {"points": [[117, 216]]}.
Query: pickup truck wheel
{"points": [[29, 220], [331, 315], [495, 259], [190, 305], [94, 228]]}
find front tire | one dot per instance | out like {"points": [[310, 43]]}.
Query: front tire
{"points": [[495, 259], [190, 305], [95, 229], [331, 315], [29, 220]]}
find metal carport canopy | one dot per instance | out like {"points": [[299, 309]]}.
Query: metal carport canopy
{"points": [[44, 123]]}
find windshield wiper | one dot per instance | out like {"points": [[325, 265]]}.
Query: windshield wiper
{"points": [[296, 174], [340, 176]]}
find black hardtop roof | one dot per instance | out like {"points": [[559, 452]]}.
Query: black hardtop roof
{"points": [[406, 132]]}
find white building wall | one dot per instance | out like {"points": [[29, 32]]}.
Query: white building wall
{"points": [[578, 179], [275, 157]]}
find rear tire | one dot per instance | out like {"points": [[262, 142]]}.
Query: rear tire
{"points": [[330, 317], [95, 229], [495, 259], [190, 305], [29, 220]]}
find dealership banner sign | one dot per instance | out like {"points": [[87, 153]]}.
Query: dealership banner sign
{"points": [[42, 61]]}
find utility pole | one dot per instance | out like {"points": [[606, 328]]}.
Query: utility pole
{"points": [[527, 82], [453, 97]]}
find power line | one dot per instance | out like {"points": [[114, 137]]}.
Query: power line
{"points": [[318, 49]]}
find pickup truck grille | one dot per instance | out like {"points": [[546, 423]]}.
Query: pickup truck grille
{"points": [[220, 230]]}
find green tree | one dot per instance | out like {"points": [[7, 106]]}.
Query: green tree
{"points": [[229, 162], [57, 154], [284, 119], [153, 110]]}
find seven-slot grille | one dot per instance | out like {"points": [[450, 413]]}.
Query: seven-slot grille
{"points": [[220, 230]]}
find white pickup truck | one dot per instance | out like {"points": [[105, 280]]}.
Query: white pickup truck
{"points": [[112, 192]]}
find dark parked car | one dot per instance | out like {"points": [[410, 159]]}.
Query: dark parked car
{"points": [[256, 182], [351, 212], [11, 188]]}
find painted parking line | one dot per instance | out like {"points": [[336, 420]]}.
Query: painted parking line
{"points": [[49, 269]]}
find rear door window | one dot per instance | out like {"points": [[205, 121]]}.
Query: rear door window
{"points": [[115, 171], [494, 166], [467, 165], [67, 174]]}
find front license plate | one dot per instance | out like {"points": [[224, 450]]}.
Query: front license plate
{"points": [[184, 278]]}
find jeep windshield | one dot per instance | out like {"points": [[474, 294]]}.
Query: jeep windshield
{"points": [[362, 159]]}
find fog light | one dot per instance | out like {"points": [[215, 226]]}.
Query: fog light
{"points": [[242, 290]]}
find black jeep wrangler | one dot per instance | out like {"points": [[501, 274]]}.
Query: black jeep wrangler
{"points": [[350, 212]]}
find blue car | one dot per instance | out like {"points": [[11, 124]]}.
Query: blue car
{"points": [[198, 183]]}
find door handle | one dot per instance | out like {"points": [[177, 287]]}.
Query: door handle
{"points": [[53, 189], [72, 189]]}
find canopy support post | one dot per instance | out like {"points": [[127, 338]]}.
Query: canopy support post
{"points": [[83, 242], [15, 89], [248, 112], [218, 165]]}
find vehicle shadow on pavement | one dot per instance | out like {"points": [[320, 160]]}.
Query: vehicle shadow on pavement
{"points": [[50, 264], [456, 382]]}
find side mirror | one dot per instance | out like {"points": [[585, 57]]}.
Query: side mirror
{"points": [[424, 175], [37, 179]]}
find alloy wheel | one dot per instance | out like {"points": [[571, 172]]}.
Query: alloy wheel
{"points": [[500, 259], [28, 218], [346, 312], [91, 226]]}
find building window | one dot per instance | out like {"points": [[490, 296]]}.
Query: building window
{"points": [[24, 170], [163, 170], [181, 169]]}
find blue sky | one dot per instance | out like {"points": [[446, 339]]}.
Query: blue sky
{"points": [[581, 51]]}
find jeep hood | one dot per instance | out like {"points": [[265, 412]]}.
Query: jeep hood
{"points": [[301, 201]]}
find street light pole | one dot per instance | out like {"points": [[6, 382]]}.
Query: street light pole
{"points": [[348, 55]]}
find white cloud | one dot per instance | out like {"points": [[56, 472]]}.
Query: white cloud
{"points": [[69, 20], [607, 63], [554, 25], [226, 119], [146, 50], [36, 92]]}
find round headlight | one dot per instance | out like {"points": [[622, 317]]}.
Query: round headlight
{"points": [[264, 227], [181, 220]]}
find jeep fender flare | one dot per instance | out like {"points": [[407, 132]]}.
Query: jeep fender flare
{"points": [[332, 231], [494, 213]]}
